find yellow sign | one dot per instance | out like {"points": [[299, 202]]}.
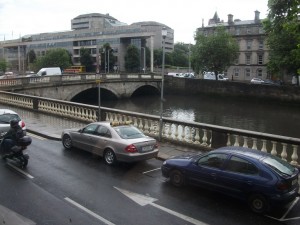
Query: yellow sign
{"points": [[98, 81]]}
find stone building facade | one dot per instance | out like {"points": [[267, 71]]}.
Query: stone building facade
{"points": [[253, 51], [90, 31]]}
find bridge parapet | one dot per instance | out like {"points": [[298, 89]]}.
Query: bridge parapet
{"points": [[198, 135], [6, 84]]}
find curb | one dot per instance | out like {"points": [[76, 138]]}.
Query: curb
{"points": [[48, 136]]}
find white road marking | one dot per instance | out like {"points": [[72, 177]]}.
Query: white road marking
{"points": [[285, 214], [88, 211], [149, 171], [20, 171], [143, 200], [36, 136]]}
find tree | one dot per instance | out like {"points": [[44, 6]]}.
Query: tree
{"points": [[282, 28], [180, 55], [3, 65], [86, 59], [132, 59], [31, 56], [53, 58], [215, 52]]}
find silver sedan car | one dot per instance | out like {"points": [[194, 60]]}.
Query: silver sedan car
{"points": [[114, 141]]}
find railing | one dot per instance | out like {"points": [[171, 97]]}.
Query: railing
{"points": [[198, 135], [66, 79]]}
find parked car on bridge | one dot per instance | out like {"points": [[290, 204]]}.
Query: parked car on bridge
{"points": [[114, 141], [257, 81], [257, 177]]}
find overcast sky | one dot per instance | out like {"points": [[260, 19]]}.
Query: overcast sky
{"points": [[21, 17]]}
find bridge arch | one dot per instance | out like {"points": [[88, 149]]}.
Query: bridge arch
{"points": [[88, 95]]}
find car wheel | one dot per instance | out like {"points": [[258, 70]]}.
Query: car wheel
{"points": [[109, 157], [177, 178], [258, 203], [67, 141]]}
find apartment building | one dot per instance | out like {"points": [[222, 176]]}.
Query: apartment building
{"points": [[90, 31], [253, 51]]}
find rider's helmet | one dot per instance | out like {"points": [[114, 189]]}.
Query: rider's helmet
{"points": [[14, 123]]}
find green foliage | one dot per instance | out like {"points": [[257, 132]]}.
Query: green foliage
{"points": [[31, 56], [86, 59], [158, 53], [215, 52], [3, 66], [283, 35], [180, 55], [132, 59], [53, 58]]}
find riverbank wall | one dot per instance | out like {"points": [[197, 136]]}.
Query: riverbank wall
{"points": [[283, 93]]}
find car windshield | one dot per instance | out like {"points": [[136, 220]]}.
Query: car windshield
{"points": [[278, 165], [128, 132], [6, 118]]}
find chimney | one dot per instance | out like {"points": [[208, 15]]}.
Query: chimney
{"points": [[230, 18], [256, 18]]}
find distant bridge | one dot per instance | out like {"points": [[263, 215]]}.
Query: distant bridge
{"points": [[67, 87]]}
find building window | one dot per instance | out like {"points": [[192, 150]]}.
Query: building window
{"points": [[259, 72], [261, 44], [260, 59], [249, 43], [248, 31], [237, 31], [236, 72], [248, 59], [247, 72]]}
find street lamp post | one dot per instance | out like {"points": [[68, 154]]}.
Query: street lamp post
{"points": [[144, 59], [164, 33]]}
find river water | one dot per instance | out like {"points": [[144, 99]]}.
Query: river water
{"points": [[260, 116]]}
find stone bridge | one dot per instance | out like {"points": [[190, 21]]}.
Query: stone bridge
{"points": [[68, 87]]}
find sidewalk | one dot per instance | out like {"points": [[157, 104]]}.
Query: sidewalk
{"points": [[51, 127]]}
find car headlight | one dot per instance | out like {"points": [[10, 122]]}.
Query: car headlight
{"points": [[164, 163]]}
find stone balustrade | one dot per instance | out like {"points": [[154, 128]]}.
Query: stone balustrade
{"points": [[67, 78], [198, 135]]}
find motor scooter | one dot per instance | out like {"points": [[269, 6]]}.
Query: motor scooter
{"points": [[17, 153]]}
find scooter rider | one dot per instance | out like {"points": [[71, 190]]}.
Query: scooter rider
{"points": [[11, 138]]}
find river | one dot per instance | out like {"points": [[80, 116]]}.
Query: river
{"points": [[260, 116]]}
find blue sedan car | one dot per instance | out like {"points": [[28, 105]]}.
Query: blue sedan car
{"points": [[257, 177]]}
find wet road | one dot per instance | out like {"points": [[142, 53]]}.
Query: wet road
{"points": [[75, 187]]}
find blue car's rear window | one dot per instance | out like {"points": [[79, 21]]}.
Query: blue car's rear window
{"points": [[278, 165]]}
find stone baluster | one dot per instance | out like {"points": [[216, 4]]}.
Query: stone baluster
{"points": [[152, 127], [146, 127], [169, 135], [236, 140], [274, 151], [294, 155], [245, 145], [228, 140], [190, 135], [284, 153], [197, 136], [264, 146], [140, 124], [135, 123], [176, 132], [254, 146], [204, 138], [183, 133]]}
